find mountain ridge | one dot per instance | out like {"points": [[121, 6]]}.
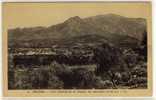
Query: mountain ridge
{"points": [[108, 25]]}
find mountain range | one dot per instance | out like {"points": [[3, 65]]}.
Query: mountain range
{"points": [[110, 27]]}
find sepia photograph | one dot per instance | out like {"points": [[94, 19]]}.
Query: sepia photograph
{"points": [[77, 46]]}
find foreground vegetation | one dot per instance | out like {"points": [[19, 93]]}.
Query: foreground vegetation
{"points": [[109, 68]]}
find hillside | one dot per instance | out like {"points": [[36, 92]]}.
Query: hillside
{"points": [[110, 26]]}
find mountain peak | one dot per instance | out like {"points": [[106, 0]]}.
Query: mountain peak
{"points": [[75, 18], [111, 15]]}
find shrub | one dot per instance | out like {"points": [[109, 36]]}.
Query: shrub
{"points": [[109, 58]]}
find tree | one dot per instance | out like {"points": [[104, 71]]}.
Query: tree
{"points": [[109, 60]]}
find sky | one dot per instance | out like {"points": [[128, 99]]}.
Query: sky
{"points": [[47, 14]]}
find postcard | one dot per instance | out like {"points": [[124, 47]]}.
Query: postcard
{"points": [[66, 49]]}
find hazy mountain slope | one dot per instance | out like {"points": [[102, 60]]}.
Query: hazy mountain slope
{"points": [[110, 26], [112, 23]]}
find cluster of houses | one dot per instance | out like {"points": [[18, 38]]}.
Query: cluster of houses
{"points": [[75, 55]]}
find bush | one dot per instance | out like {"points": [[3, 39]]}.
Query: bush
{"points": [[55, 83], [109, 58]]}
